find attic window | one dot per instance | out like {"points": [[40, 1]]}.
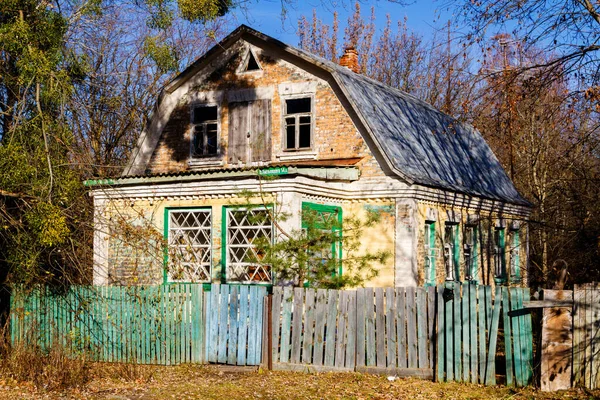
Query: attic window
{"points": [[205, 133], [251, 64], [298, 123]]}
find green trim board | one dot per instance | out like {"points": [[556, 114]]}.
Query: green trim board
{"points": [[336, 248], [500, 255], [166, 214], [452, 251], [471, 239], [429, 237], [515, 258]]}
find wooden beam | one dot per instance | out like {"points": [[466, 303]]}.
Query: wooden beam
{"points": [[547, 303]]}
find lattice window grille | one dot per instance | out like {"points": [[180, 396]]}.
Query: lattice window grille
{"points": [[244, 228], [190, 255]]}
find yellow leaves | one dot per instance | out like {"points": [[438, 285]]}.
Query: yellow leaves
{"points": [[48, 224]]}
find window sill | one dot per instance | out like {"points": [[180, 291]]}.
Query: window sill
{"points": [[205, 162], [297, 155]]}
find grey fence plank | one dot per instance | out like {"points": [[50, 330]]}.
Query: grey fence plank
{"points": [[422, 327], [320, 326], [369, 302], [332, 310], [233, 318], [308, 326], [351, 331], [380, 327], [340, 350], [411, 327], [490, 374], [297, 325], [431, 324], [360, 327], [401, 327], [286, 324], [390, 325]]}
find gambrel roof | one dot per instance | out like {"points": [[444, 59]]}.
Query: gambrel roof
{"points": [[419, 143]]}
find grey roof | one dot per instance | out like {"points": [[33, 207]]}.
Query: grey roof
{"points": [[421, 143]]}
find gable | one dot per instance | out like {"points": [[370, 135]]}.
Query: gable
{"points": [[277, 114]]}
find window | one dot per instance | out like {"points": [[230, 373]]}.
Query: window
{"points": [[246, 229], [298, 123], [188, 234], [499, 255], [318, 218], [515, 267], [430, 253], [471, 253], [205, 133], [451, 252]]}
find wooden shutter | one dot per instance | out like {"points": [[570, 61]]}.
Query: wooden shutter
{"points": [[260, 132], [237, 148]]}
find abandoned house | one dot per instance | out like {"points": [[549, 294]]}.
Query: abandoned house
{"points": [[340, 144]]}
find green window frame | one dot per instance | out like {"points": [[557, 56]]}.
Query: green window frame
{"points": [[324, 212], [451, 252], [191, 234], [471, 253], [515, 257], [237, 234], [500, 255], [429, 240]]}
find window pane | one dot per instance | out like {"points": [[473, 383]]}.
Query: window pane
{"points": [[189, 238], [290, 138], [211, 139], [296, 106], [203, 114], [304, 136]]}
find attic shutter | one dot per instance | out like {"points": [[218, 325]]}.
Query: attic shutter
{"points": [[260, 134], [238, 130]]}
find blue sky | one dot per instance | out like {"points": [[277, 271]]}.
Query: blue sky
{"points": [[424, 16]]}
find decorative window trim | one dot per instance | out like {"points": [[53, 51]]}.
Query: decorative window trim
{"points": [[515, 256], [471, 252], [225, 246], [167, 237], [336, 248], [452, 251], [284, 115], [195, 159], [499, 254]]}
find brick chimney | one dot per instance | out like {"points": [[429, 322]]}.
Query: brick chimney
{"points": [[350, 59]]}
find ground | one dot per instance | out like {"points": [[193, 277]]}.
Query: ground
{"points": [[118, 382]]}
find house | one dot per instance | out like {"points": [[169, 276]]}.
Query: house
{"points": [[340, 143]]}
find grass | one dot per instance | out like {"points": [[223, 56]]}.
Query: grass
{"points": [[106, 381]]}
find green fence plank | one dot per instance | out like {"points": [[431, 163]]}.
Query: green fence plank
{"points": [[457, 325], [441, 334], [511, 305], [449, 335], [508, 340], [466, 345], [473, 331], [528, 331], [490, 376]]}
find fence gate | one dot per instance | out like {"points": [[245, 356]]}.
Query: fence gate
{"points": [[586, 336], [234, 324], [468, 321]]}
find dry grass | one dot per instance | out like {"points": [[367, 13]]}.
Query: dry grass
{"points": [[209, 382]]}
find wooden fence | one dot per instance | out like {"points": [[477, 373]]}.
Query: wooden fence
{"points": [[586, 336], [234, 324], [150, 325], [372, 330], [469, 321]]}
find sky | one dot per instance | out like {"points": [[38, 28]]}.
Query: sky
{"points": [[424, 16]]}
